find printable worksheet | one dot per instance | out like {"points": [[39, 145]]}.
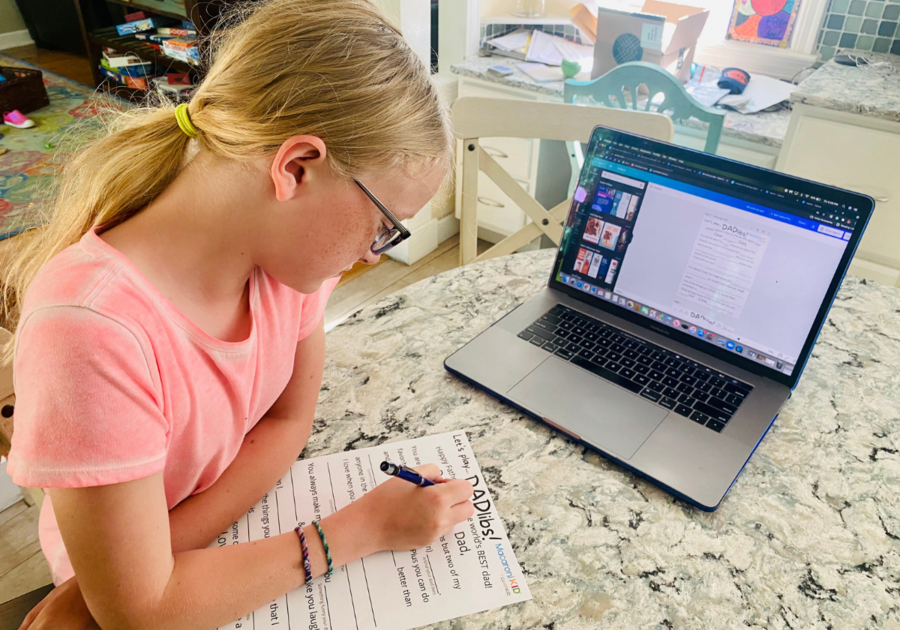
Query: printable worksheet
{"points": [[469, 570]]}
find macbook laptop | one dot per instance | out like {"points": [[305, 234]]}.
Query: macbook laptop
{"points": [[684, 301]]}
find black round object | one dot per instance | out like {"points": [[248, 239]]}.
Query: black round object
{"points": [[627, 47]]}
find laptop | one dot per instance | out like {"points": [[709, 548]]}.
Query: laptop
{"points": [[685, 299]]}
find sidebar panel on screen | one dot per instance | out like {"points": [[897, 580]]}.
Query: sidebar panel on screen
{"points": [[608, 205]]}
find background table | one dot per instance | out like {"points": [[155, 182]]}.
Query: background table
{"points": [[808, 537]]}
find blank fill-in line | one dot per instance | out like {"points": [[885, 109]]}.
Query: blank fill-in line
{"points": [[366, 575], [433, 576], [294, 494]]}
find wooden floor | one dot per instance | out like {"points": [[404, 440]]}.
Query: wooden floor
{"points": [[64, 64]]}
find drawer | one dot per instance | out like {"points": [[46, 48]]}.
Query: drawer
{"points": [[496, 211], [856, 158], [515, 155]]}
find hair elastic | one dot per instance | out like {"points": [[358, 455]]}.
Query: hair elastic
{"points": [[324, 544], [183, 117], [307, 567]]}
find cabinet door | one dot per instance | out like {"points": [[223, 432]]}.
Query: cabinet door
{"points": [[855, 157], [496, 211]]}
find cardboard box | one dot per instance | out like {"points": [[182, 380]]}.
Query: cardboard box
{"points": [[662, 33]]}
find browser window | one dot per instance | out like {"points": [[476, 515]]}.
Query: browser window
{"points": [[724, 260]]}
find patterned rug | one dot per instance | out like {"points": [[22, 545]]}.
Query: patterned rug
{"points": [[27, 169]]}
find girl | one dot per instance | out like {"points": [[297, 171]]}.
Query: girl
{"points": [[169, 350]]}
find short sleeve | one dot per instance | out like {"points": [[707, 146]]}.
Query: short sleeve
{"points": [[314, 308], [88, 411]]}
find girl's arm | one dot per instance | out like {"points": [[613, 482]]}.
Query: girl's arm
{"points": [[268, 451], [119, 542]]}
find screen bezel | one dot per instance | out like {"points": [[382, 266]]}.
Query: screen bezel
{"points": [[865, 204]]}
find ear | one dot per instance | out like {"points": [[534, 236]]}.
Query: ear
{"points": [[296, 159]]}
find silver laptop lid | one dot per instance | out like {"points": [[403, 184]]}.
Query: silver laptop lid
{"points": [[735, 260]]}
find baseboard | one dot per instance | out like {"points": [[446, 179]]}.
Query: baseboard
{"points": [[423, 241], [447, 227], [14, 39]]}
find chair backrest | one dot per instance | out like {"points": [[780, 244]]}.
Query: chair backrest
{"points": [[475, 118], [7, 400], [619, 88]]}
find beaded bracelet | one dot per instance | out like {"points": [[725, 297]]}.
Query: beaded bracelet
{"points": [[307, 567], [324, 544]]}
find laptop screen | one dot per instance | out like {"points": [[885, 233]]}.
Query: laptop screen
{"points": [[736, 257]]}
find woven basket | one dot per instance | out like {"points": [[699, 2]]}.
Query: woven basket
{"points": [[22, 90]]}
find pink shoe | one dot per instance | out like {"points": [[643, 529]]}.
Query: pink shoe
{"points": [[17, 119]]}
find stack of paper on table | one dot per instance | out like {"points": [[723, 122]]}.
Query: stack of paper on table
{"points": [[540, 47], [469, 570]]}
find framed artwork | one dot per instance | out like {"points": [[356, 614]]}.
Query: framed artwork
{"points": [[763, 21]]}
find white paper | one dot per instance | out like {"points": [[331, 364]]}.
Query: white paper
{"points": [[470, 570], [517, 40], [542, 49], [652, 35], [761, 92], [542, 73], [570, 51]]}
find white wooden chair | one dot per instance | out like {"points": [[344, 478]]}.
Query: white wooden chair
{"points": [[476, 118]]}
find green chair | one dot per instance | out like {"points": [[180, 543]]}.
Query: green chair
{"points": [[610, 90]]}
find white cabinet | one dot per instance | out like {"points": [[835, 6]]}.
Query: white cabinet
{"points": [[858, 153]]}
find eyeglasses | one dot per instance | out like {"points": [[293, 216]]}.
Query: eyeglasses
{"points": [[387, 237]]}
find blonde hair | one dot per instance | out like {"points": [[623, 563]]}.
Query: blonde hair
{"points": [[279, 68]]}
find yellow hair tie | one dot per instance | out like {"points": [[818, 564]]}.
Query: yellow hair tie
{"points": [[184, 121]]}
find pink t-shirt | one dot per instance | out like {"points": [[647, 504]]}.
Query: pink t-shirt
{"points": [[114, 384]]}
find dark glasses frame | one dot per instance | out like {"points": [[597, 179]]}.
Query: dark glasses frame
{"points": [[395, 235]]}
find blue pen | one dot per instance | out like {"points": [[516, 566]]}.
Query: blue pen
{"points": [[407, 474]]}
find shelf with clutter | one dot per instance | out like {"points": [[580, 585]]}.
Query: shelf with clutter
{"points": [[140, 47]]}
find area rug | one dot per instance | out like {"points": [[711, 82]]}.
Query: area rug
{"points": [[35, 155]]}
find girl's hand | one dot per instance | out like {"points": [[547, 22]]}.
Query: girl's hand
{"points": [[62, 609], [403, 516]]}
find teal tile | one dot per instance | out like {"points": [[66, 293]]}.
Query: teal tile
{"points": [[865, 42], [827, 52], [895, 47], [839, 6], [857, 7], [882, 45], [887, 29], [831, 38], [835, 22], [891, 12], [852, 24], [874, 10], [848, 40], [869, 27]]}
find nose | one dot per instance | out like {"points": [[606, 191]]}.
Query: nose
{"points": [[370, 258]]}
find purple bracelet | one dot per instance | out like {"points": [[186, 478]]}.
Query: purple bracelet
{"points": [[307, 567]]}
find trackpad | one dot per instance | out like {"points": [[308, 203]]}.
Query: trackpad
{"points": [[599, 412]]}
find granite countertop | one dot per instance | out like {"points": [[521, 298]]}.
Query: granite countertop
{"points": [[767, 128], [869, 91], [809, 536]]}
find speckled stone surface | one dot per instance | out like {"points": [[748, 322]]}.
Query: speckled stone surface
{"points": [[809, 536], [767, 128], [869, 91]]}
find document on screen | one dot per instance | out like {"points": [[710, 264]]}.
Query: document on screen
{"points": [[469, 570], [722, 266]]}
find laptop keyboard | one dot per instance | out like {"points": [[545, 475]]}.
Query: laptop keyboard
{"points": [[670, 380]]}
